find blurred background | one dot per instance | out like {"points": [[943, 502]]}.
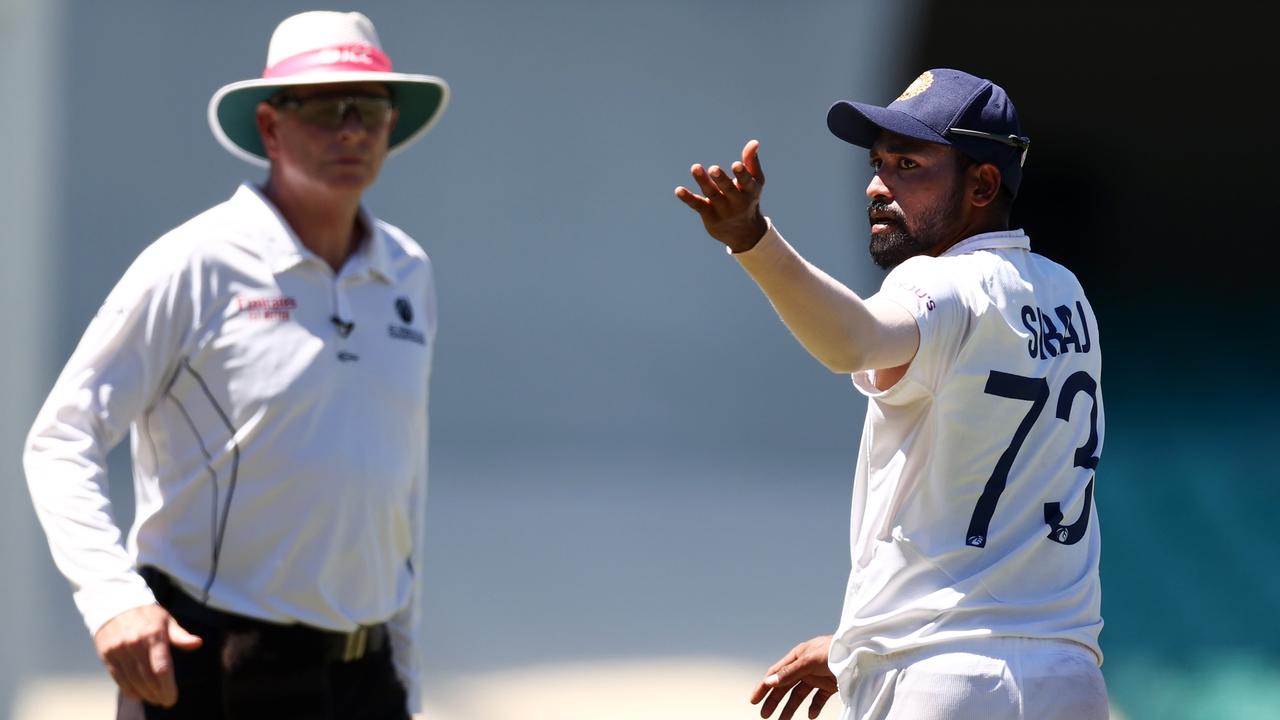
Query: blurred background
{"points": [[640, 483]]}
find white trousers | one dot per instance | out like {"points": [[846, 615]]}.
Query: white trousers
{"points": [[980, 679]]}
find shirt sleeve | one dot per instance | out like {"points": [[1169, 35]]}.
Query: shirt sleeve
{"points": [[117, 370], [406, 626], [924, 288]]}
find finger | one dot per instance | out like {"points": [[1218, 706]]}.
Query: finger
{"points": [[695, 202], [180, 638], [751, 159], [819, 700], [128, 673], [794, 701], [704, 183], [722, 181], [759, 692], [135, 677], [122, 682], [161, 666], [148, 682], [775, 696], [743, 179]]}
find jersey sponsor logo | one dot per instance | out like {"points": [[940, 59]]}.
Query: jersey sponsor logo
{"points": [[266, 308], [920, 295], [1047, 340]]}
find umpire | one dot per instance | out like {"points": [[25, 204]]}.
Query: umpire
{"points": [[271, 359]]}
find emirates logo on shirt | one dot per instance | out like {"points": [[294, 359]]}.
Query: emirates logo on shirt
{"points": [[266, 308]]}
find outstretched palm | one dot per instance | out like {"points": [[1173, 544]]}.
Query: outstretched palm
{"points": [[730, 207]]}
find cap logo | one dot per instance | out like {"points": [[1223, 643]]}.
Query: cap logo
{"points": [[351, 58], [917, 86]]}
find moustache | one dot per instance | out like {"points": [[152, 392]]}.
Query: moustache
{"points": [[881, 211]]}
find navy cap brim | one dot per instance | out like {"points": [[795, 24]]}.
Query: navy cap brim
{"points": [[860, 124]]}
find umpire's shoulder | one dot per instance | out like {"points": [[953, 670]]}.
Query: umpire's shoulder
{"points": [[404, 254]]}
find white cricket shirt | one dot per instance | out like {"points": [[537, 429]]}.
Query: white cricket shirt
{"points": [[972, 502], [279, 454]]}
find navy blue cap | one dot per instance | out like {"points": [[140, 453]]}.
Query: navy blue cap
{"points": [[948, 107]]}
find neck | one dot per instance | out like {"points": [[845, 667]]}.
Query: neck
{"points": [[326, 225], [978, 225]]}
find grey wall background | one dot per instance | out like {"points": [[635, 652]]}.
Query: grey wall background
{"points": [[630, 455]]}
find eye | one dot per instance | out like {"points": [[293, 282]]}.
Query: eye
{"points": [[907, 163], [875, 163]]}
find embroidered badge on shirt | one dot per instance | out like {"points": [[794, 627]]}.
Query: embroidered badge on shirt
{"points": [[266, 308], [403, 332]]}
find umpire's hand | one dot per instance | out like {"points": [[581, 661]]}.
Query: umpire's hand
{"points": [[730, 210], [803, 670], [134, 645]]}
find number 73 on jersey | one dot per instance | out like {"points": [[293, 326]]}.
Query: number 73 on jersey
{"points": [[1036, 391]]}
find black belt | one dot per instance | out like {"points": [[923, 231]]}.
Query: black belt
{"points": [[302, 640]]}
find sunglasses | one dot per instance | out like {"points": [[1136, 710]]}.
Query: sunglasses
{"points": [[330, 111], [1014, 141]]}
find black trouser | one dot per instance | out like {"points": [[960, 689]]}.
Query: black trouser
{"points": [[248, 669]]}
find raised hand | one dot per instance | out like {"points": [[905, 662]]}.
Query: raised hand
{"points": [[801, 671], [730, 206]]}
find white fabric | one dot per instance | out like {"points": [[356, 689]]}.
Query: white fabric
{"points": [[986, 679], [316, 29], [933, 440], [276, 463], [931, 443]]}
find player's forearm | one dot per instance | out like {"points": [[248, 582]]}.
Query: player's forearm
{"points": [[828, 319]]}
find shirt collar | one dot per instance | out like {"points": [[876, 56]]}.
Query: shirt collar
{"points": [[990, 241], [284, 250]]}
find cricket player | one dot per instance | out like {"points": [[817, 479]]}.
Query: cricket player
{"points": [[271, 359], [974, 588]]}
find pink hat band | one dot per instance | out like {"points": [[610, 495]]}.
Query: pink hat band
{"points": [[340, 58]]}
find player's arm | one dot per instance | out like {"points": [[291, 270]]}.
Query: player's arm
{"points": [[842, 330]]}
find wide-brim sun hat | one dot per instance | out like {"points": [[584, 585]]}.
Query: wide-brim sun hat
{"points": [[948, 107], [316, 48]]}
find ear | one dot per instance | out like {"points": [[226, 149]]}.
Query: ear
{"points": [[984, 184], [267, 121]]}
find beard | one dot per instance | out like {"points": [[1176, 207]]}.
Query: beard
{"points": [[905, 240]]}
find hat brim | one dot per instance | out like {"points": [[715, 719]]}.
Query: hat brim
{"points": [[860, 124], [420, 100]]}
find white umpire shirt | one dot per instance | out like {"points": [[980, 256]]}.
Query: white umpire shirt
{"points": [[278, 417]]}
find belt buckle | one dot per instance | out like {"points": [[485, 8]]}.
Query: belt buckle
{"points": [[356, 644]]}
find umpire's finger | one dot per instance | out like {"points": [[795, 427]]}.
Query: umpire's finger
{"points": [[161, 666]]}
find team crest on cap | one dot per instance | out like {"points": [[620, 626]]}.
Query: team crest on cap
{"points": [[917, 86]]}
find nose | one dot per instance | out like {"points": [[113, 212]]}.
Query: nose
{"points": [[877, 190], [352, 125]]}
